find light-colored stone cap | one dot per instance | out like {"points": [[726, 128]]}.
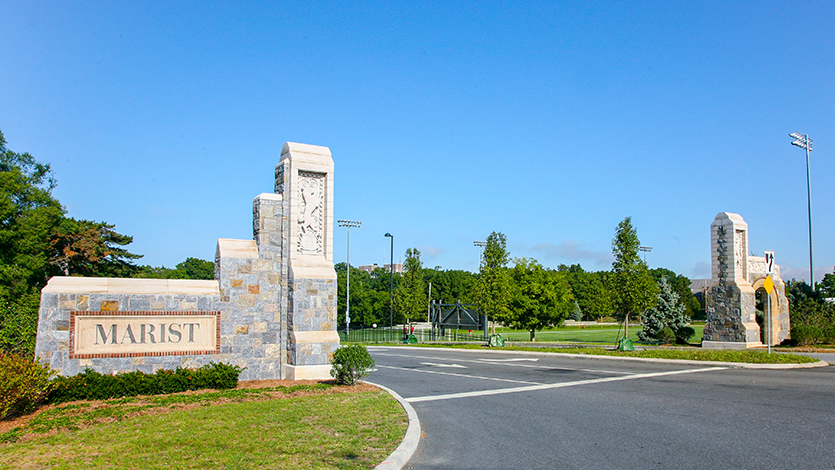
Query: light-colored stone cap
{"points": [[107, 285], [270, 196], [305, 148], [229, 248], [736, 218]]}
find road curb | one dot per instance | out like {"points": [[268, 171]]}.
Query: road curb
{"points": [[407, 448], [735, 365]]}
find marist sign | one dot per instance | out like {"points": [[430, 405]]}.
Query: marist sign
{"points": [[130, 334]]}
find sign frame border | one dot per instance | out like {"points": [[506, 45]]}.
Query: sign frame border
{"points": [[143, 313]]}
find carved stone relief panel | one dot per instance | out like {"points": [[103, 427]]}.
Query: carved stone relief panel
{"points": [[739, 252], [311, 219]]}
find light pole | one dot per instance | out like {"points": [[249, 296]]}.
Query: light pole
{"points": [[803, 141], [482, 245], [391, 289], [645, 250], [348, 224]]}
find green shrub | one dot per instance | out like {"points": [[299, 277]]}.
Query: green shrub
{"points": [[666, 335], [92, 385], [806, 335], [351, 364], [828, 336], [23, 384], [684, 334]]}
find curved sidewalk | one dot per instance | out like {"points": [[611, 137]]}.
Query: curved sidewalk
{"points": [[407, 448]]}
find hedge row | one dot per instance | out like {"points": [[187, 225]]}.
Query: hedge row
{"points": [[92, 385]]}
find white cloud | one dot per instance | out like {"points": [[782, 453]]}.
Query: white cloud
{"points": [[430, 252], [571, 250], [701, 270]]}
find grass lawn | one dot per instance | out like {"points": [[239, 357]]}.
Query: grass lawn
{"points": [[318, 427], [751, 356], [607, 334]]}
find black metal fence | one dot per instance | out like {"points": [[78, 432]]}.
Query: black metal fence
{"points": [[423, 335]]}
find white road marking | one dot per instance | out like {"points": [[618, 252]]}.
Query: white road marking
{"points": [[536, 387], [511, 360], [454, 366], [425, 371], [510, 364]]}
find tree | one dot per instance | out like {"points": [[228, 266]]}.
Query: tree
{"points": [[540, 298], [680, 285], [451, 285], [591, 292], [410, 297], [86, 248], [493, 289], [668, 312], [196, 268], [28, 212], [632, 286], [827, 286]]}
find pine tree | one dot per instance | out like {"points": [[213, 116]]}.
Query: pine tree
{"points": [[668, 312]]}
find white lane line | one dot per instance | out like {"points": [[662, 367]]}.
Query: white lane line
{"points": [[500, 362], [512, 360], [454, 366], [532, 388], [453, 374]]}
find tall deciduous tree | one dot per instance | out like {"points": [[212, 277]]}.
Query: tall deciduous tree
{"points": [[493, 286], [410, 297], [28, 212], [540, 298], [633, 289]]}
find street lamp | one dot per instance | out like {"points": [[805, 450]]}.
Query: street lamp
{"points": [[348, 224], [803, 141], [391, 289]]}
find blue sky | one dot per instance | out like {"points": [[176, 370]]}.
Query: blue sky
{"points": [[547, 121]]}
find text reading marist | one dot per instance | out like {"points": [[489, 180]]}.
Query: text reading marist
{"points": [[125, 334]]}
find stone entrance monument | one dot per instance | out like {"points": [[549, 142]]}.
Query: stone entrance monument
{"points": [[730, 299], [271, 307]]}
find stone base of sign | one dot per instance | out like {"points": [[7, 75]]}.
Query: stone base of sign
{"points": [[273, 300]]}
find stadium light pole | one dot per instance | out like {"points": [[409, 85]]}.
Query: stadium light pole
{"points": [[803, 141], [391, 289], [481, 245], [348, 224], [645, 250]]}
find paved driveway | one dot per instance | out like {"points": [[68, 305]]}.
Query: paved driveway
{"points": [[480, 410]]}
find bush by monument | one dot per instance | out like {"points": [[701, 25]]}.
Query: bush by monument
{"points": [[23, 384], [351, 364]]}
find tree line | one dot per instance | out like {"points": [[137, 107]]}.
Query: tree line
{"points": [[521, 293]]}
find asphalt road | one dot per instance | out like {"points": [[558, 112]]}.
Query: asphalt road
{"points": [[481, 410]]}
